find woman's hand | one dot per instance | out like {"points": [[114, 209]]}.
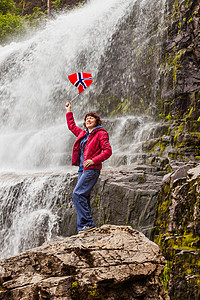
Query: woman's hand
{"points": [[68, 106], [87, 163]]}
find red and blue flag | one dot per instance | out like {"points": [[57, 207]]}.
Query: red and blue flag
{"points": [[81, 80]]}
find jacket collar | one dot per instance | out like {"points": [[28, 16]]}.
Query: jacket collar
{"points": [[96, 128]]}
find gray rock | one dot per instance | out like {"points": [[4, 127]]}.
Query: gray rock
{"points": [[102, 264], [43, 203], [194, 173], [181, 173]]}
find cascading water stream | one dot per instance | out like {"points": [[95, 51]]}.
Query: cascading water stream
{"points": [[33, 92], [34, 86]]}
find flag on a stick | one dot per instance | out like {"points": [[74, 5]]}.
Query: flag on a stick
{"points": [[81, 80]]}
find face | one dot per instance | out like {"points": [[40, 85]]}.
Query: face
{"points": [[90, 122]]}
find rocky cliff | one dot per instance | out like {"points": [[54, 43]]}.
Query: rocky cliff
{"points": [[180, 61], [177, 216], [42, 202], [112, 262], [179, 97], [177, 231]]}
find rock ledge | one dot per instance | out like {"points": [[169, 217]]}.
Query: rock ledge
{"points": [[111, 262]]}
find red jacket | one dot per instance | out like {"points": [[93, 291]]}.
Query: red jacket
{"points": [[97, 147]]}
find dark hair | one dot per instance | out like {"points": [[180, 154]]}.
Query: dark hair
{"points": [[96, 116]]}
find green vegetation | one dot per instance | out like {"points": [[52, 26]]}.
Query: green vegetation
{"points": [[6, 6], [57, 4], [94, 293], [75, 294], [16, 16], [10, 22], [35, 18], [176, 233], [165, 276], [174, 63], [122, 107]]}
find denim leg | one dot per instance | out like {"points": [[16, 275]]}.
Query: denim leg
{"points": [[81, 197], [79, 175]]}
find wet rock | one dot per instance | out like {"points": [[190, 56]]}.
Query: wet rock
{"points": [[102, 264], [177, 231], [43, 203], [127, 195], [180, 75]]}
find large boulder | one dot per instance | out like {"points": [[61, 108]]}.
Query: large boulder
{"points": [[112, 262]]}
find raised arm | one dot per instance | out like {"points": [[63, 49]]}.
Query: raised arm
{"points": [[70, 120]]}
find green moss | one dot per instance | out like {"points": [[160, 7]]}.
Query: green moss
{"points": [[177, 134], [122, 107], [168, 117], [166, 275], [176, 64], [142, 104], [75, 293], [162, 115], [75, 285], [181, 127], [190, 20], [96, 202], [181, 247], [168, 168], [164, 207], [176, 9], [188, 3], [162, 213], [190, 112], [105, 216], [94, 293], [167, 189], [186, 242]]}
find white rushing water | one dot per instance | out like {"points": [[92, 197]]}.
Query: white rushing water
{"points": [[33, 135], [34, 86]]}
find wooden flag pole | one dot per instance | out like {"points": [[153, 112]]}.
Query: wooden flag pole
{"points": [[74, 98]]}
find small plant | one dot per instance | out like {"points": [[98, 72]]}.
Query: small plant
{"points": [[165, 276]]}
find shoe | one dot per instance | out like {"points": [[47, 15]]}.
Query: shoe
{"points": [[87, 228]]}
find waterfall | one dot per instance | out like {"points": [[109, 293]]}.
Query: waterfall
{"points": [[33, 91], [34, 86]]}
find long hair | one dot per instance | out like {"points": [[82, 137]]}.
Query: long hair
{"points": [[96, 116]]}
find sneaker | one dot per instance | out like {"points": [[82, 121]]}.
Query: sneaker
{"points": [[86, 229]]}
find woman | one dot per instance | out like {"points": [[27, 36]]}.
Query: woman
{"points": [[90, 149]]}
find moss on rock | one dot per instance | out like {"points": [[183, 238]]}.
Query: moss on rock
{"points": [[177, 231]]}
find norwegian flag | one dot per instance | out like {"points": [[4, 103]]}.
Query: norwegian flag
{"points": [[81, 80]]}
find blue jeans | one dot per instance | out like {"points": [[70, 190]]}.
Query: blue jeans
{"points": [[81, 197]]}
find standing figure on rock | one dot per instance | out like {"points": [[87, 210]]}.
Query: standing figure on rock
{"points": [[90, 149]]}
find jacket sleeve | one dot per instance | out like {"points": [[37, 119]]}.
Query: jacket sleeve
{"points": [[72, 125], [106, 149]]}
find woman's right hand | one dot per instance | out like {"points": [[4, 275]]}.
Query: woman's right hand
{"points": [[68, 106]]}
